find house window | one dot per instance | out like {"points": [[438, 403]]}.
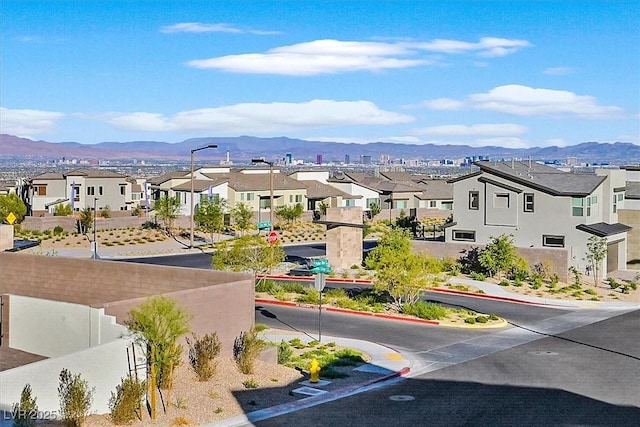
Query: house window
{"points": [[91, 191], [250, 197], [464, 235], [298, 198], [588, 206], [448, 205], [100, 190], [432, 204], [400, 204], [123, 190], [474, 200], [577, 204], [371, 202], [290, 198], [265, 202], [553, 241], [617, 198], [501, 201], [349, 202], [40, 190], [528, 202], [241, 197]]}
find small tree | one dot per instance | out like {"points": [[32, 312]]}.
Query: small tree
{"points": [[25, 412], [11, 203], [596, 252], [158, 323], [210, 216], [105, 212], [322, 207], [63, 210], [247, 253], [290, 214], [374, 208], [75, 398], [399, 271], [85, 220], [166, 209], [242, 216], [499, 255]]}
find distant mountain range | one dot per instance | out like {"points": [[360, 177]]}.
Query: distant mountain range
{"points": [[243, 148]]}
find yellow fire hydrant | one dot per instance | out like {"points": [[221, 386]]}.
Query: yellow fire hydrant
{"points": [[314, 371]]}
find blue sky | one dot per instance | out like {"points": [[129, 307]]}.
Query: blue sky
{"points": [[511, 74]]}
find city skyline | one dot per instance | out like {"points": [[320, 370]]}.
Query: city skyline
{"points": [[511, 74]]}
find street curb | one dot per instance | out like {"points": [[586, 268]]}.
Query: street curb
{"points": [[493, 297], [276, 410], [347, 311]]}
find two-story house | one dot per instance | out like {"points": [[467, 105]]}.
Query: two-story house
{"points": [[80, 188], [541, 207]]}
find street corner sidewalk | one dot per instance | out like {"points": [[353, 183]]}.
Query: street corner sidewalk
{"points": [[387, 362]]}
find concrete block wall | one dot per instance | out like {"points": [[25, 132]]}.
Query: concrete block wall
{"points": [[218, 301], [344, 243], [6, 237], [557, 258]]}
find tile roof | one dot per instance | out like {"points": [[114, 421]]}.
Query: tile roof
{"points": [[48, 176], [95, 173], [260, 182], [168, 176], [544, 178], [318, 190], [436, 189], [199, 185]]}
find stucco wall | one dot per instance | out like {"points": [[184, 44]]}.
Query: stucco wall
{"points": [[54, 328], [6, 237], [557, 258], [632, 219]]}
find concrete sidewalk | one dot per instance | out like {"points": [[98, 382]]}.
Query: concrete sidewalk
{"points": [[385, 361]]}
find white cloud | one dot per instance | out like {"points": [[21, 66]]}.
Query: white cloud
{"points": [[445, 104], [559, 71], [262, 118], [198, 27], [28, 122], [317, 57], [499, 129], [486, 47], [336, 56], [527, 101], [557, 142]]}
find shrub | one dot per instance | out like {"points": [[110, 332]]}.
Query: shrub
{"points": [[470, 320], [25, 412], [246, 349], [251, 383], [284, 352], [504, 282], [482, 319], [493, 316], [75, 398], [202, 354], [591, 292], [125, 403], [311, 296], [297, 343], [477, 276], [295, 288], [265, 286], [335, 293], [58, 230], [425, 310]]}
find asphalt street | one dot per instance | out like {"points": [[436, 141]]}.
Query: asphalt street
{"points": [[585, 376]]}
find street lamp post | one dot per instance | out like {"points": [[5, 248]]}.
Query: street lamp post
{"points": [[191, 202], [270, 189], [94, 255]]}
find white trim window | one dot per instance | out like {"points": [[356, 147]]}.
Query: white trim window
{"points": [[464, 235], [553, 241], [577, 206], [474, 200], [529, 199]]}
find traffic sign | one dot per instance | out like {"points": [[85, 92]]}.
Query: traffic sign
{"points": [[321, 266], [319, 282], [272, 238], [264, 225], [11, 218]]}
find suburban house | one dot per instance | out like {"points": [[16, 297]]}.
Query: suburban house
{"points": [[542, 208], [80, 188], [320, 192], [436, 193]]}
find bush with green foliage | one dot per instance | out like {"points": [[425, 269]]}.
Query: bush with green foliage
{"points": [[425, 310], [202, 354], [25, 412], [126, 403], [284, 352], [75, 398], [246, 348], [63, 210]]}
